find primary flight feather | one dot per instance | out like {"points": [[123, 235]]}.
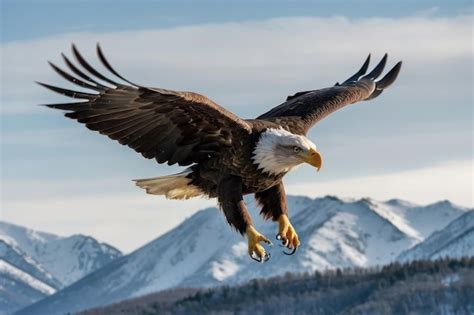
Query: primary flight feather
{"points": [[227, 156]]}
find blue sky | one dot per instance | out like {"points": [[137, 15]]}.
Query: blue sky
{"points": [[413, 142], [48, 17]]}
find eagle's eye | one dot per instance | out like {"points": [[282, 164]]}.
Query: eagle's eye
{"points": [[297, 149]]}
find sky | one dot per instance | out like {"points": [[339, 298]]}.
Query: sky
{"points": [[414, 142]]}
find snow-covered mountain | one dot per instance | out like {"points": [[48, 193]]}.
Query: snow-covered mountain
{"points": [[36, 264], [455, 240], [18, 288], [425, 219], [203, 251], [27, 264], [66, 258]]}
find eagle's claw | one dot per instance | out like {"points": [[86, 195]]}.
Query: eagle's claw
{"points": [[284, 243], [287, 235], [261, 260], [255, 249], [290, 253]]}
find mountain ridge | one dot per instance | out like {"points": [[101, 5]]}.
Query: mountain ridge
{"points": [[459, 234], [35, 264], [51, 251], [202, 251], [19, 259]]}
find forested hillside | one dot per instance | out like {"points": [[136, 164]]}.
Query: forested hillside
{"points": [[444, 286]]}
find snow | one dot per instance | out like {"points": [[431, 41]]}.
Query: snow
{"points": [[240, 249], [79, 256], [198, 243], [24, 238], [455, 240], [355, 233], [16, 257], [450, 279], [224, 269], [35, 264], [426, 220], [404, 224], [25, 277], [63, 260]]}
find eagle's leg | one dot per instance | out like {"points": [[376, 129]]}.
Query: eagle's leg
{"points": [[274, 206], [287, 234], [229, 195]]}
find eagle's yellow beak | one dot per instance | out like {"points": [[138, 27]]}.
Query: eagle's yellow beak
{"points": [[314, 158]]}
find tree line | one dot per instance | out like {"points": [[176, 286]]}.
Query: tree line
{"points": [[444, 286]]}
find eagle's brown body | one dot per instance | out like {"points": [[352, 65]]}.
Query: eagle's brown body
{"points": [[234, 161], [191, 130]]}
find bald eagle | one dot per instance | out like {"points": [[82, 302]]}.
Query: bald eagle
{"points": [[227, 156]]}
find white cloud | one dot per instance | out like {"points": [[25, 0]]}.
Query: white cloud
{"points": [[110, 210], [452, 181]]}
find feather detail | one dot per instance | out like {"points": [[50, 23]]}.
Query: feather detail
{"points": [[270, 154]]}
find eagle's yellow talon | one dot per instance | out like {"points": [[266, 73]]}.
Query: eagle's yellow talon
{"points": [[287, 233], [254, 246]]}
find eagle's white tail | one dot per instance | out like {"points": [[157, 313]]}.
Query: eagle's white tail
{"points": [[176, 186]]}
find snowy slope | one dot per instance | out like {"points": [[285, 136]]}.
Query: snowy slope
{"points": [[455, 240], [20, 275], [66, 259], [71, 258], [426, 219], [203, 251], [15, 257], [18, 289]]}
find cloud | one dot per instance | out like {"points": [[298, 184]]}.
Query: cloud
{"points": [[110, 210], [451, 181]]}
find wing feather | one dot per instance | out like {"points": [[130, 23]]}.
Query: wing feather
{"points": [[166, 125], [80, 73], [304, 109]]}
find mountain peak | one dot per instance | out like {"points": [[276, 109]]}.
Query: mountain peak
{"points": [[400, 203], [82, 240], [369, 201], [22, 235], [333, 198], [66, 258], [447, 204]]}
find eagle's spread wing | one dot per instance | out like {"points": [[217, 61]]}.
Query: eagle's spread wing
{"points": [[169, 126], [304, 109]]}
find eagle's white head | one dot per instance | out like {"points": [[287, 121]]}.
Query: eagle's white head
{"points": [[278, 151]]}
